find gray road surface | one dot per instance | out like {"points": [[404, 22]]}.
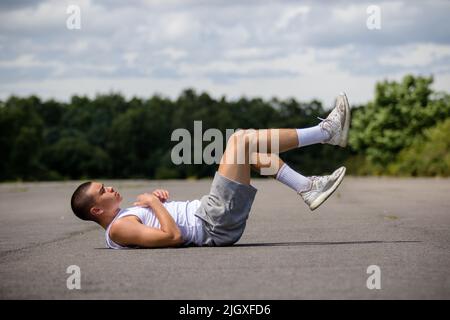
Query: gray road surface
{"points": [[286, 252]]}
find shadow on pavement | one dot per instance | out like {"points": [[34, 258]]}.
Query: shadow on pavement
{"points": [[285, 244], [316, 243]]}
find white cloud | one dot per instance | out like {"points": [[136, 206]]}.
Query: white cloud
{"points": [[275, 48], [417, 55], [22, 61], [251, 53], [351, 13], [177, 26], [26, 19], [290, 14], [173, 53], [130, 58]]}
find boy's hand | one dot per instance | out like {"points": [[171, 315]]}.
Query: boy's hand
{"points": [[161, 194], [145, 200]]}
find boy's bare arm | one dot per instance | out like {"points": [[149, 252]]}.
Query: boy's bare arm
{"points": [[130, 231], [152, 201]]}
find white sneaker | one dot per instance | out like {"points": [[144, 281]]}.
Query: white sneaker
{"points": [[322, 187], [337, 123]]}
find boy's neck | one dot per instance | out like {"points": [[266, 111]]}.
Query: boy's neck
{"points": [[108, 219]]}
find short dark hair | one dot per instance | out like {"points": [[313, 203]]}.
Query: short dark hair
{"points": [[82, 203]]}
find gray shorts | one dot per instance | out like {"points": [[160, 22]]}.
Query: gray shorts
{"points": [[225, 211]]}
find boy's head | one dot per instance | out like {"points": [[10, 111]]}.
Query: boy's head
{"points": [[92, 201]]}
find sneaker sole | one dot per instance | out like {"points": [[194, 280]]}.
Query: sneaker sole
{"points": [[324, 196], [344, 137]]}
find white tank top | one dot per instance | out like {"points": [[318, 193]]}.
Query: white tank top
{"points": [[182, 212]]}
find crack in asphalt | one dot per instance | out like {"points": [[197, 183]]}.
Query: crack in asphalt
{"points": [[40, 244]]}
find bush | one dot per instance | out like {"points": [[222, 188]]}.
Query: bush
{"points": [[429, 155], [393, 120]]}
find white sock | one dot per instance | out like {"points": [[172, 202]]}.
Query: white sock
{"points": [[293, 179], [311, 135]]}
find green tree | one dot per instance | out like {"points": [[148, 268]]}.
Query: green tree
{"points": [[392, 121], [110, 137], [21, 139], [428, 155], [75, 158]]}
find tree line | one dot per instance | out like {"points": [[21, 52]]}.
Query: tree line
{"points": [[403, 131]]}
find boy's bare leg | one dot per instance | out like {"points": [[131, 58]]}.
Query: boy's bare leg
{"points": [[229, 167], [263, 161], [314, 190], [238, 156], [235, 163], [272, 140]]}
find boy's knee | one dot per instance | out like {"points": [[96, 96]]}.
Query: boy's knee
{"points": [[237, 136], [243, 137]]}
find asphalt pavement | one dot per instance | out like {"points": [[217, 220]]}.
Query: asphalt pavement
{"points": [[402, 226]]}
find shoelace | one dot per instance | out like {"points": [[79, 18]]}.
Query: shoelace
{"points": [[314, 179], [325, 128]]}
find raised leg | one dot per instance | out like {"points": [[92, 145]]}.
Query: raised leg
{"points": [[266, 161], [229, 167], [247, 147]]}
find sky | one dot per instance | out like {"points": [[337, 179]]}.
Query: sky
{"points": [[285, 49]]}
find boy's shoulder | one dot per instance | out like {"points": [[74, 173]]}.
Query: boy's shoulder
{"points": [[134, 209]]}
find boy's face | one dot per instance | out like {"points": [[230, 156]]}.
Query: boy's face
{"points": [[106, 198]]}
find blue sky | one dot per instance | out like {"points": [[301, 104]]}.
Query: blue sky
{"points": [[301, 49]]}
